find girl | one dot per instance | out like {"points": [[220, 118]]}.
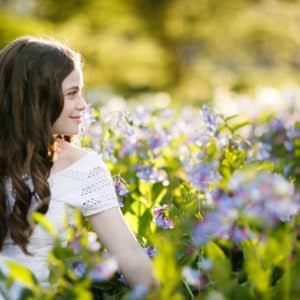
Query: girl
{"points": [[41, 108]]}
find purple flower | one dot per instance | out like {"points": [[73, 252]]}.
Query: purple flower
{"points": [[79, 268], [276, 125], [158, 210], [124, 124], [163, 222], [150, 251], [122, 279], [121, 189], [289, 146], [239, 235], [209, 119], [138, 293], [95, 130], [216, 224], [87, 118], [261, 151], [88, 114], [160, 219], [151, 174], [127, 148], [266, 196], [158, 139], [293, 132], [201, 175], [190, 250], [93, 244], [108, 152], [194, 278], [205, 264], [104, 270], [75, 243], [204, 229]]}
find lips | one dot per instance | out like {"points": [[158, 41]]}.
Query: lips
{"points": [[76, 118]]}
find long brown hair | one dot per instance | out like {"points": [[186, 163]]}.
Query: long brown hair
{"points": [[31, 99]]}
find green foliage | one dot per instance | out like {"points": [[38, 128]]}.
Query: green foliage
{"points": [[166, 268], [13, 26], [220, 273], [186, 48], [232, 236], [21, 274], [41, 220]]}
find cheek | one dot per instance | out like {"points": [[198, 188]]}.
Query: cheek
{"points": [[69, 106], [60, 119], [63, 114]]}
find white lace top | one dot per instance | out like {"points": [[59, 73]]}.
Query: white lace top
{"points": [[86, 184]]}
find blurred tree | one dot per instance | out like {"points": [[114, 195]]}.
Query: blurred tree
{"points": [[186, 47], [58, 11]]}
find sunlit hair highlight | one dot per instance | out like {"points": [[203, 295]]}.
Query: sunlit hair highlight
{"points": [[31, 74]]}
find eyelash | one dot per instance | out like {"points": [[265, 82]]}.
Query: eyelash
{"points": [[72, 93]]}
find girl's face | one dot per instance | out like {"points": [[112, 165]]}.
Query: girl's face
{"points": [[68, 123]]}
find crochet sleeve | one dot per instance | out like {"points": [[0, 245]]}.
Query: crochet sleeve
{"points": [[97, 191]]}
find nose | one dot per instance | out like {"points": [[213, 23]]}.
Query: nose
{"points": [[81, 104]]}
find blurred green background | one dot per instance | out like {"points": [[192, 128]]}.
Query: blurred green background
{"points": [[184, 47]]}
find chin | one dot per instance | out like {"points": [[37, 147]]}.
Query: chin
{"points": [[72, 132], [68, 132]]}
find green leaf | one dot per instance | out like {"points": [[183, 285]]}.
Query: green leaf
{"points": [[21, 274], [160, 196], [165, 266], [144, 222], [259, 274], [221, 266], [46, 224], [239, 125], [259, 166], [231, 117]]}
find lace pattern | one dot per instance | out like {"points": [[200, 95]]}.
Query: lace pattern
{"points": [[98, 192]]}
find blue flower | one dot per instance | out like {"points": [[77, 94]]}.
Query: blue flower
{"points": [[201, 175], [88, 114], [124, 124], [203, 230], [160, 219], [158, 210], [93, 244], [209, 119], [194, 278], [104, 270], [80, 268], [121, 190], [75, 243], [138, 293], [108, 152], [151, 174], [205, 264], [151, 251], [239, 235], [163, 222]]}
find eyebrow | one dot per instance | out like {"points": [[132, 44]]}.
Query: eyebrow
{"points": [[73, 88]]}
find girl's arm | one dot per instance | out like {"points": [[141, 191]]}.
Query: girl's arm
{"points": [[116, 236]]}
